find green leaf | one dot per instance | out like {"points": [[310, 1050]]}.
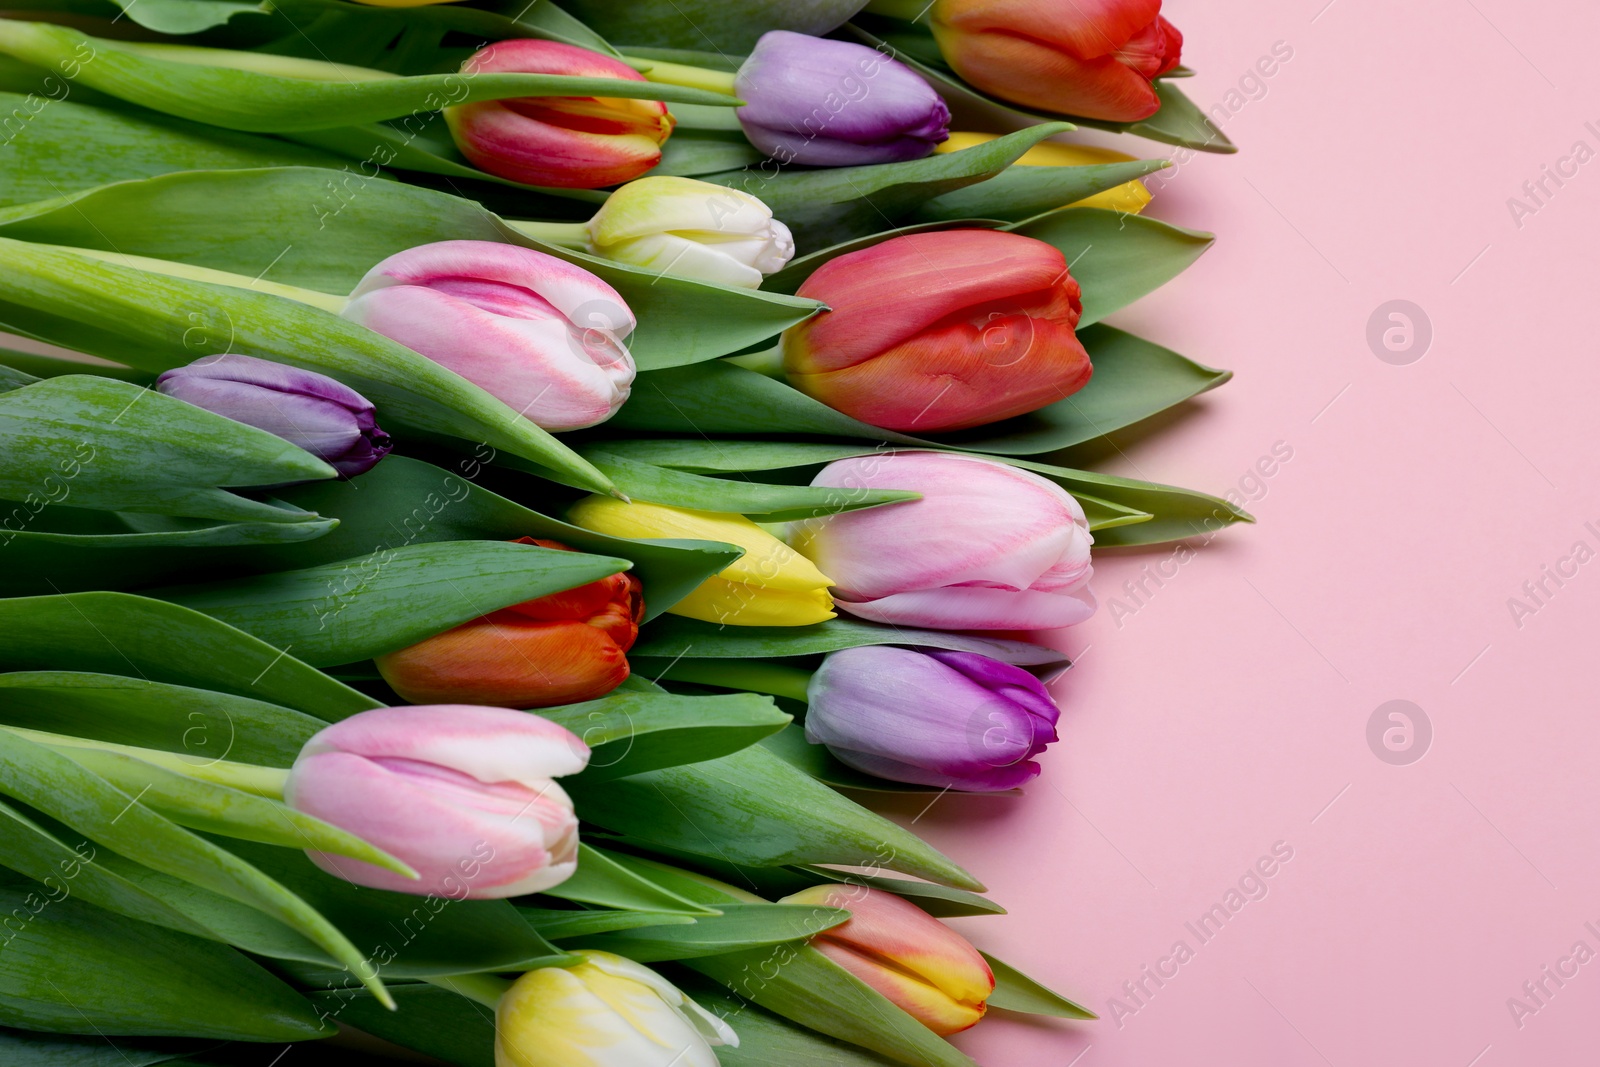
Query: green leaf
{"points": [[740, 926], [752, 807], [832, 204], [692, 153], [118, 633], [630, 733], [640, 480], [326, 237], [200, 724], [673, 637], [557, 925], [800, 983], [604, 882], [73, 967], [354, 610], [178, 83], [46, 157], [186, 16], [54, 367], [66, 791], [433, 1021], [1133, 379], [1021, 192], [937, 900], [1176, 513], [766, 1039], [1116, 257], [153, 454], [21, 1048], [1015, 991], [725, 29]]}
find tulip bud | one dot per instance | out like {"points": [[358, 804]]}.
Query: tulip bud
{"points": [[326, 418], [559, 649], [988, 547], [692, 229], [1096, 60], [606, 1011], [770, 585], [1129, 198], [940, 331], [835, 104], [542, 335], [927, 969], [955, 720], [570, 142], [461, 793]]}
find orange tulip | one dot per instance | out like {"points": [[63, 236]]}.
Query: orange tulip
{"points": [[927, 969], [558, 649]]}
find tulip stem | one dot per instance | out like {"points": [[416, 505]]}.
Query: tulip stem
{"points": [[325, 301], [255, 62], [486, 989], [658, 70], [246, 777], [753, 675], [573, 235]]}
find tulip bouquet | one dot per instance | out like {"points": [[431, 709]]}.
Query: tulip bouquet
{"points": [[490, 493]]}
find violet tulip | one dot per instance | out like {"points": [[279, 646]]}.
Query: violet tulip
{"points": [[464, 794], [925, 968], [954, 720], [1095, 58], [575, 142], [941, 331], [835, 104], [326, 418], [988, 547], [541, 334]]}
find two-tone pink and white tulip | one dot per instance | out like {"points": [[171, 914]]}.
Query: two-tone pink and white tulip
{"points": [[921, 965], [988, 547], [541, 334], [463, 794]]}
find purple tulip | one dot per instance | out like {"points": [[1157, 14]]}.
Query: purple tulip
{"points": [[835, 104], [955, 720], [326, 418]]}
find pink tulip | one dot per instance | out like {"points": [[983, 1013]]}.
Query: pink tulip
{"points": [[988, 547], [462, 793], [539, 333]]}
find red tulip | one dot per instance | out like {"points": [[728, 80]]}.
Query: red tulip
{"points": [[573, 142], [1095, 58], [941, 331], [558, 649]]}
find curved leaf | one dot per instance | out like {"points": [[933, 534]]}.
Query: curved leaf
{"points": [[1020, 192], [1015, 991], [740, 926], [359, 608], [629, 733], [674, 637], [603, 881]]}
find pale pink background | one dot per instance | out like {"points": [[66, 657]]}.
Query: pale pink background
{"points": [[1231, 709]]}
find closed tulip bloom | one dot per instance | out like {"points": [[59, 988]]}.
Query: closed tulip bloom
{"points": [[542, 335], [1095, 58], [571, 142], [606, 1011], [326, 418], [941, 331], [988, 547], [927, 969], [770, 585], [835, 104], [692, 229], [558, 649], [464, 794], [954, 720], [1129, 197]]}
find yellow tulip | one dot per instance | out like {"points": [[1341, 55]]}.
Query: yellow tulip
{"points": [[1130, 197], [770, 585]]}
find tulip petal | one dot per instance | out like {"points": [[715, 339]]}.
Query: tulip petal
{"points": [[969, 608], [487, 743], [1089, 28]]}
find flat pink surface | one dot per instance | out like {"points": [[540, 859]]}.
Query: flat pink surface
{"points": [[1228, 710]]}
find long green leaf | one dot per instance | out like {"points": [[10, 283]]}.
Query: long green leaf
{"points": [[433, 1021], [184, 84], [1015, 991], [92, 442], [73, 967], [134, 636], [603, 881], [752, 807], [325, 237], [354, 610], [740, 926], [630, 733], [156, 321], [1021, 192], [61, 788], [766, 1039]]}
